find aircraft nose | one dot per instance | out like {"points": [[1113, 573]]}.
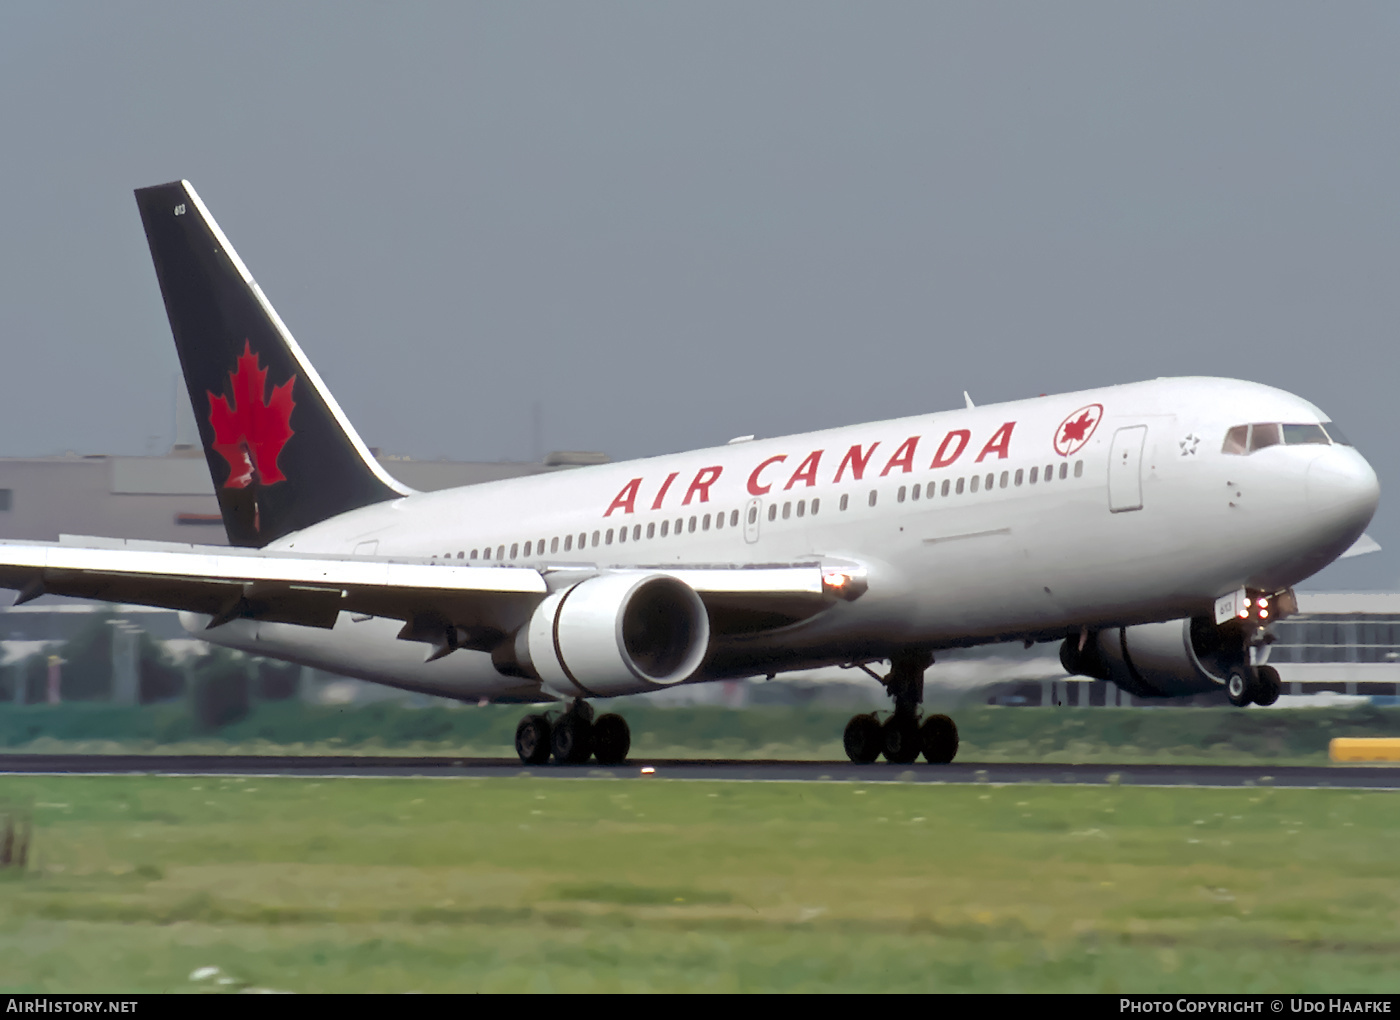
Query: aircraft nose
{"points": [[1342, 487]]}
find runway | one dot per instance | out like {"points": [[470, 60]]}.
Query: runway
{"points": [[1370, 777]]}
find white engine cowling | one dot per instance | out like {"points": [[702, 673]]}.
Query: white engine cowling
{"points": [[1161, 660], [617, 634]]}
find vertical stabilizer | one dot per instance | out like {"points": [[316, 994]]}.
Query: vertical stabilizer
{"points": [[280, 450]]}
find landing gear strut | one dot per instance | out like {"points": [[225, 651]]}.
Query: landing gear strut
{"points": [[901, 738], [573, 737]]}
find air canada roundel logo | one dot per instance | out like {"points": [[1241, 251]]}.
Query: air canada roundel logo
{"points": [[250, 426], [1076, 430]]}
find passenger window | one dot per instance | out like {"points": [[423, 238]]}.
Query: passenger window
{"points": [[692, 525], [801, 507], [899, 496], [500, 552], [622, 534], [845, 501], [486, 553], [734, 518], [1079, 469], [583, 540], [990, 479], [680, 525], [514, 549], [539, 548], [1020, 476], [1236, 440], [772, 511], [595, 540], [1005, 477], [1035, 474], [651, 530], [1303, 435], [1049, 471], [787, 510], [873, 497], [945, 487], [554, 544], [1064, 469], [959, 489], [916, 492], [705, 523], [568, 542], [474, 553], [976, 481], [665, 528], [607, 539], [816, 505], [719, 521], [637, 533], [527, 550], [753, 515]]}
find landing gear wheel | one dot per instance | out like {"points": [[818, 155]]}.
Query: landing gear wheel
{"points": [[901, 735], [1239, 689], [532, 740], [863, 739], [1268, 687], [572, 739], [938, 739], [611, 739]]}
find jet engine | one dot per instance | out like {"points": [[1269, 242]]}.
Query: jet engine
{"points": [[1161, 660], [624, 633]]}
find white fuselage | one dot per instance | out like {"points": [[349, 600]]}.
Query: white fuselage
{"points": [[1022, 520]]}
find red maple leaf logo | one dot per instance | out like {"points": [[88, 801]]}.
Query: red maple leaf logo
{"points": [[249, 432], [1074, 431]]}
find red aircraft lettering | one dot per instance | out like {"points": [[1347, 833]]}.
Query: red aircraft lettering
{"points": [[903, 457], [704, 478], [943, 457], [755, 489], [626, 499], [1000, 443], [806, 471]]}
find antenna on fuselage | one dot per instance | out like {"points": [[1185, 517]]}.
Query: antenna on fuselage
{"points": [[970, 404]]}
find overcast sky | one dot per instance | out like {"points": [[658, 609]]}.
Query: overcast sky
{"points": [[672, 224]]}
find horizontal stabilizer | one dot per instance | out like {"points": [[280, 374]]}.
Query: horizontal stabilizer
{"points": [[1363, 545]]}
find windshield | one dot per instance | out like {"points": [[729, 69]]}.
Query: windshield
{"points": [[1336, 435], [1246, 439]]}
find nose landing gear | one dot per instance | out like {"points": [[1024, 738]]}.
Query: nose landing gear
{"points": [[902, 738], [573, 737], [1260, 686]]}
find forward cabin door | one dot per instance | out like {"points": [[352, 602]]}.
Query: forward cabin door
{"points": [[1125, 469]]}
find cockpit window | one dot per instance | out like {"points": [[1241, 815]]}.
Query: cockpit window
{"points": [[1245, 439], [1303, 435], [1263, 435], [1335, 434]]}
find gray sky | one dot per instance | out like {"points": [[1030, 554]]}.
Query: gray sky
{"points": [[676, 223]]}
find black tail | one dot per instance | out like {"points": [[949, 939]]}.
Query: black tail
{"points": [[282, 454]]}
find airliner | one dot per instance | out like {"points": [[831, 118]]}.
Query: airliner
{"points": [[1154, 529]]}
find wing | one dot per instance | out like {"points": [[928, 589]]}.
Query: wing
{"points": [[481, 604]]}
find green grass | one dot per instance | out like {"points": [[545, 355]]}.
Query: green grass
{"points": [[593, 885], [1123, 736]]}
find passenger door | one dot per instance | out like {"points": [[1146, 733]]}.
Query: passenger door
{"points": [[753, 513], [1125, 469]]}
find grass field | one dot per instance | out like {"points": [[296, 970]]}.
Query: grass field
{"points": [[988, 734], [137, 883]]}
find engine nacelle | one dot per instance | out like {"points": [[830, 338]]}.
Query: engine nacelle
{"points": [[1161, 660], [616, 634]]}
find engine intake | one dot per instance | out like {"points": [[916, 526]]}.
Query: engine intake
{"points": [[616, 634], [1161, 660]]}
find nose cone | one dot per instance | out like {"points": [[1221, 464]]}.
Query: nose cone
{"points": [[1342, 491]]}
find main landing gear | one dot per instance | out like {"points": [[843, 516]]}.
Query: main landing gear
{"points": [[573, 737], [902, 737], [1259, 686]]}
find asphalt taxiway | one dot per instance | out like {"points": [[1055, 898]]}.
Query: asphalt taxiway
{"points": [[1372, 777]]}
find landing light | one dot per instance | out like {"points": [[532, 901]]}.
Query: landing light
{"points": [[1263, 614], [845, 584]]}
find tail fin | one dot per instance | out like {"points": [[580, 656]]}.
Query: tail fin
{"points": [[281, 452]]}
